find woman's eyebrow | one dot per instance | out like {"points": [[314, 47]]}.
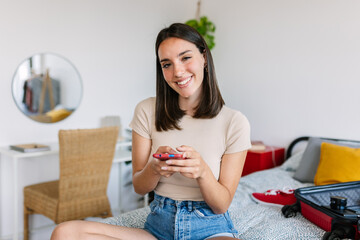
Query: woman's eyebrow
{"points": [[182, 53], [179, 55]]}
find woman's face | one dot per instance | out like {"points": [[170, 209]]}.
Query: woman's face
{"points": [[182, 66]]}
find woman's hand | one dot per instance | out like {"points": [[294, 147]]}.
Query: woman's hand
{"points": [[192, 166], [157, 165]]}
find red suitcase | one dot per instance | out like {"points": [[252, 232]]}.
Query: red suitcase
{"points": [[335, 208]]}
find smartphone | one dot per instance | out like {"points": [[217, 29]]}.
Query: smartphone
{"points": [[165, 156]]}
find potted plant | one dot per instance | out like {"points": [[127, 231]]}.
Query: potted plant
{"points": [[204, 26]]}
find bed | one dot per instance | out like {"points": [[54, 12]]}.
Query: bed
{"points": [[252, 220]]}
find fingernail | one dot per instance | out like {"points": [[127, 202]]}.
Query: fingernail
{"points": [[168, 162], [163, 168]]}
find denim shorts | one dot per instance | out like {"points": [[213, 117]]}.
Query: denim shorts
{"points": [[170, 219]]}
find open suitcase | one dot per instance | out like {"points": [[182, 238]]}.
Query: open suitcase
{"points": [[335, 208]]}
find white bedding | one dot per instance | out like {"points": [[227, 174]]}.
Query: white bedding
{"points": [[252, 220]]}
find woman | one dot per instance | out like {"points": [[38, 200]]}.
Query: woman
{"points": [[188, 116]]}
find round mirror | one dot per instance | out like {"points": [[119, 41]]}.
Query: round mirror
{"points": [[47, 87]]}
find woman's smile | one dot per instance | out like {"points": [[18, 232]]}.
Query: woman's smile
{"points": [[185, 82]]}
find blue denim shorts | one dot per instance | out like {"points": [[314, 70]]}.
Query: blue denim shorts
{"points": [[170, 219]]}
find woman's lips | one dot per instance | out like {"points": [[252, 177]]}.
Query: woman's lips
{"points": [[184, 83]]}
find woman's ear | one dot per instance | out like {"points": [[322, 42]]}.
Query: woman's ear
{"points": [[205, 60]]}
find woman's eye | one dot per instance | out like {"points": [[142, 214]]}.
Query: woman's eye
{"points": [[186, 58], [166, 65]]}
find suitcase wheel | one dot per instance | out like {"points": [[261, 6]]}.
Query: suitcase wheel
{"points": [[290, 210], [340, 232], [330, 236]]}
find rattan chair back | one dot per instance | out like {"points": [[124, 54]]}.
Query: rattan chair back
{"points": [[86, 157]]}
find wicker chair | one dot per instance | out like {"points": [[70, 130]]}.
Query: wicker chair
{"points": [[86, 157]]}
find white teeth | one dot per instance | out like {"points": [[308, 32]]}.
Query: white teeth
{"points": [[184, 82]]}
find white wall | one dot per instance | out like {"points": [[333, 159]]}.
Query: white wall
{"points": [[110, 42], [291, 66]]}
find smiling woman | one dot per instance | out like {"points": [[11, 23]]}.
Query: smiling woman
{"points": [[46, 87], [187, 117], [191, 59]]}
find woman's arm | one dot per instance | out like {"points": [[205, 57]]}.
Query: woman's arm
{"points": [[146, 171], [219, 194]]}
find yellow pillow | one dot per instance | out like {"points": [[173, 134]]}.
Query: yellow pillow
{"points": [[337, 164], [58, 114]]}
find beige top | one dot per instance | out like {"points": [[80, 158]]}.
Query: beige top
{"points": [[228, 132]]}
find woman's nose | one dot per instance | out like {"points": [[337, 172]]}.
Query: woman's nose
{"points": [[178, 70]]}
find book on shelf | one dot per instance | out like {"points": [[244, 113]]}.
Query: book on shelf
{"points": [[32, 147], [257, 146]]}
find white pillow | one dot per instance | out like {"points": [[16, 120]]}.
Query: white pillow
{"points": [[292, 163]]}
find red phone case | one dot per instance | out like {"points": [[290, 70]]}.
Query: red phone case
{"points": [[165, 156]]}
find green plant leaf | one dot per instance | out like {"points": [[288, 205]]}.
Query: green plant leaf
{"points": [[205, 28], [192, 23]]}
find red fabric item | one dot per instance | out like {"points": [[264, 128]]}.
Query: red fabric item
{"points": [[275, 197], [29, 99]]}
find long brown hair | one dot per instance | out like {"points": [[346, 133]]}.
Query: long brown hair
{"points": [[168, 112]]}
